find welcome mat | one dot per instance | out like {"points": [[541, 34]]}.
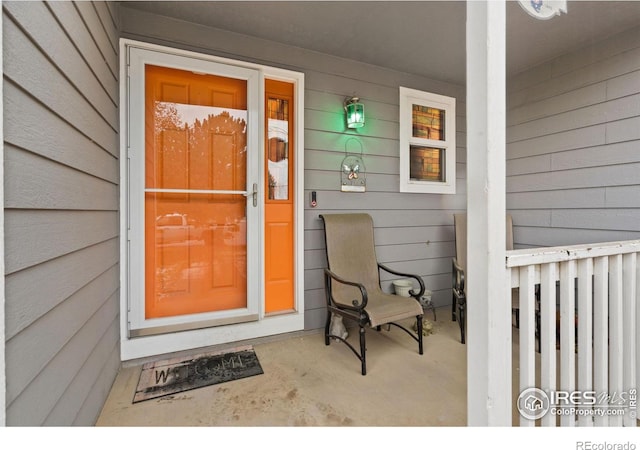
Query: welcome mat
{"points": [[171, 376]]}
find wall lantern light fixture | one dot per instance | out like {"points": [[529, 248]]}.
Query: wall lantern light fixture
{"points": [[355, 112]]}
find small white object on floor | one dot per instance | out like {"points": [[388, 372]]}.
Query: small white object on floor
{"points": [[337, 328]]}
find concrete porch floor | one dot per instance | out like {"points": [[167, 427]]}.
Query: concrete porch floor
{"points": [[306, 383]]}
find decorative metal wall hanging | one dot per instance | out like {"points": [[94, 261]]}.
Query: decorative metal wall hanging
{"points": [[353, 174]]}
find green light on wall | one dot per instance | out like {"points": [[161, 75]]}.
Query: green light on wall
{"points": [[355, 112]]}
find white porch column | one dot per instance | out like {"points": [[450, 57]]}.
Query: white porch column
{"points": [[489, 399]]}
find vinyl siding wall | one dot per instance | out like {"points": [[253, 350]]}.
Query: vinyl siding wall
{"points": [[414, 232], [573, 152], [61, 210]]}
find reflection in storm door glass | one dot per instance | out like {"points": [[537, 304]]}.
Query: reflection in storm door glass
{"points": [[197, 249], [278, 149]]}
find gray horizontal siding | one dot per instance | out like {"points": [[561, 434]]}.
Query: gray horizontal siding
{"points": [[61, 210], [42, 345], [103, 30], [68, 15], [31, 70], [415, 217], [75, 268], [404, 222], [65, 143], [45, 32], [33, 182], [40, 236], [616, 51], [573, 167]]}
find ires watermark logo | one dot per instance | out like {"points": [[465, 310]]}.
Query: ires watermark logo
{"points": [[534, 403]]}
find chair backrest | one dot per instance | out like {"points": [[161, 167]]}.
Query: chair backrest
{"points": [[351, 253], [460, 229], [460, 226]]}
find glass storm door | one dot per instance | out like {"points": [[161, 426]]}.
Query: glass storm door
{"points": [[199, 199]]}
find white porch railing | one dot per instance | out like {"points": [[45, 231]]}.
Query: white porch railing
{"points": [[583, 299]]}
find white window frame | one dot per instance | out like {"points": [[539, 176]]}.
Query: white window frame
{"points": [[408, 98]]}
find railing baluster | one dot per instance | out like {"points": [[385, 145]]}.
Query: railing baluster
{"points": [[601, 332], [615, 332], [637, 332], [567, 333], [527, 333], [585, 338], [629, 296], [548, 276]]}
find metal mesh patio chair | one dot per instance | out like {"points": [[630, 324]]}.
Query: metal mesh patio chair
{"points": [[459, 263], [352, 282]]}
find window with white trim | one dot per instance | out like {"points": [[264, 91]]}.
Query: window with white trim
{"points": [[427, 142]]}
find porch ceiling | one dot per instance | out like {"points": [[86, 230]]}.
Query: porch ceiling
{"points": [[425, 38]]}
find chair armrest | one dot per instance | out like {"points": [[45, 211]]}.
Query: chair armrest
{"points": [[458, 276], [357, 306], [417, 295]]}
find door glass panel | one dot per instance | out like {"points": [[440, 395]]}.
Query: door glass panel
{"points": [[195, 181], [278, 148]]}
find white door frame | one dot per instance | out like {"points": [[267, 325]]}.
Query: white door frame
{"points": [[143, 346]]}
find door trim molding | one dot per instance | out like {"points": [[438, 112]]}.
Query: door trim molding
{"points": [[143, 346], [162, 329]]}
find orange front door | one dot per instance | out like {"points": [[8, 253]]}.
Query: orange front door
{"points": [[195, 186]]}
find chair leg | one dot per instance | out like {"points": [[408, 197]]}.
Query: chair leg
{"points": [[538, 332], [419, 323], [461, 320], [363, 351], [326, 328], [454, 303]]}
